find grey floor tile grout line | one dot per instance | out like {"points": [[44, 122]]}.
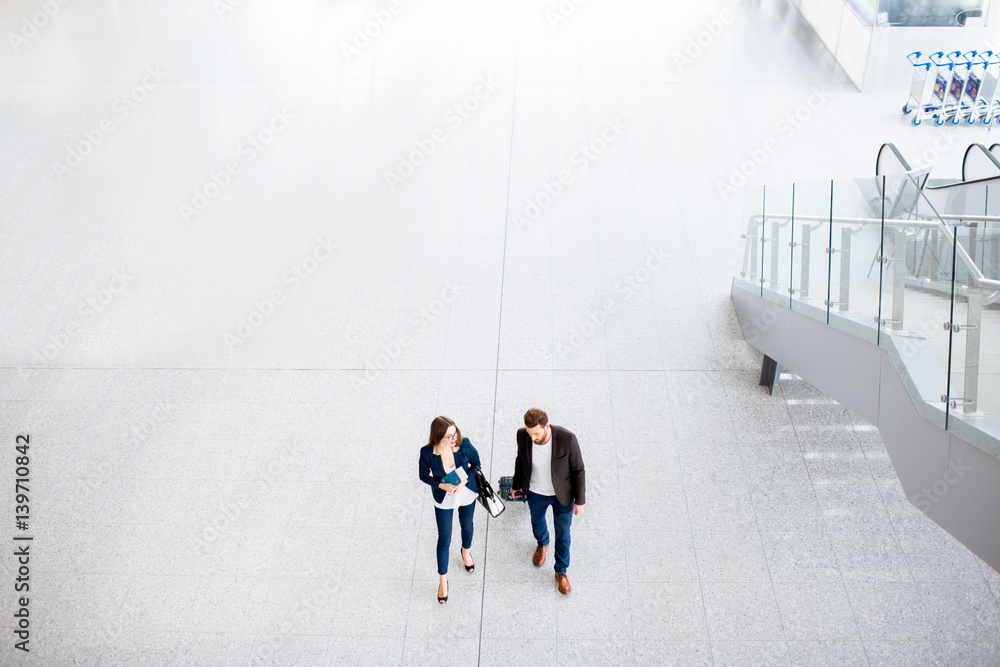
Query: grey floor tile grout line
{"points": [[767, 564], [694, 548], [628, 583], [656, 327], [399, 82], [320, 369], [413, 574], [496, 373], [684, 484], [420, 524]]}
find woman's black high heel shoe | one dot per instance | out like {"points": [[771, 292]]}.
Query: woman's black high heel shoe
{"points": [[469, 568], [442, 600]]}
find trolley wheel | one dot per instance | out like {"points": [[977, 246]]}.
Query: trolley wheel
{"points": [[939, 121], [906, 108], [972, 120], [955, 120], [915, 121]]}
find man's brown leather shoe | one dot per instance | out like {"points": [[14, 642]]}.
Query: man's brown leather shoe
{"points": [[563, 580], [539, 556]]}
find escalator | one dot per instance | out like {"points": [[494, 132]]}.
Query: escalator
{"points": [[883, 293]]}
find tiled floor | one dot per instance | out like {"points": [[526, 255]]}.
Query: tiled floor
{"points": [[226, 331]]}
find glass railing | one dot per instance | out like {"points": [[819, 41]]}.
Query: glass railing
{"points": [[873, 258]]}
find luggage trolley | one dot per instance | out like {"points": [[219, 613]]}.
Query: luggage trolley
{"points": [[956, 88], [941, 78], [986, 105], [970, 90], [920, 88]]}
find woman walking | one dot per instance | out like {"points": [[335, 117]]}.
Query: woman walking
{"points": [[447, 451]]}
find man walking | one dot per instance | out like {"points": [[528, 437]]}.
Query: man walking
{"points": [[549, 471]]}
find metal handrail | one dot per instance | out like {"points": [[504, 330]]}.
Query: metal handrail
{"points": [[975, 273], [901, 222], [839, 218], [903, 213]]}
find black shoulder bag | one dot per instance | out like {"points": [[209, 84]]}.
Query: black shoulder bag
{"points": [[490, 500]]}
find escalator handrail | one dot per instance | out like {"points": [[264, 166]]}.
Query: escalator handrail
{"points": [[965, 158], [989, 180], [899, 156], [918, 176]]}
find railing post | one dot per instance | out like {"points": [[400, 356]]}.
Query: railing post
{"points": [[932, 243], [775, 236], [845, 269], [994, 242], [944, 250], [973, 332], [898, 278], [753, 240], [804, 261]]}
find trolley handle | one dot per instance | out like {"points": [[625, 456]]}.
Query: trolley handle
{"points": [[969, 57], [913, 57], [952, 56], [984, 57], [936, 59]]}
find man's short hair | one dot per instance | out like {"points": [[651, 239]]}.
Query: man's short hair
{"points": [[535, 417]]}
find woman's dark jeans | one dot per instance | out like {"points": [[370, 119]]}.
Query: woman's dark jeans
{"points": [[444, 520]]}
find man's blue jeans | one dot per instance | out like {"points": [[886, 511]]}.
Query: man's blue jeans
{"points": [[562, 518]]}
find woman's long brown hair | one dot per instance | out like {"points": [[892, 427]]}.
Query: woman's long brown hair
{"points": [[439, 427]]}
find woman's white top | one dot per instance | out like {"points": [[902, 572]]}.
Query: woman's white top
{"points": [[465, 496]]}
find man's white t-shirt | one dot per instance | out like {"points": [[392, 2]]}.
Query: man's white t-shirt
{"points": [[541, 469]]}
